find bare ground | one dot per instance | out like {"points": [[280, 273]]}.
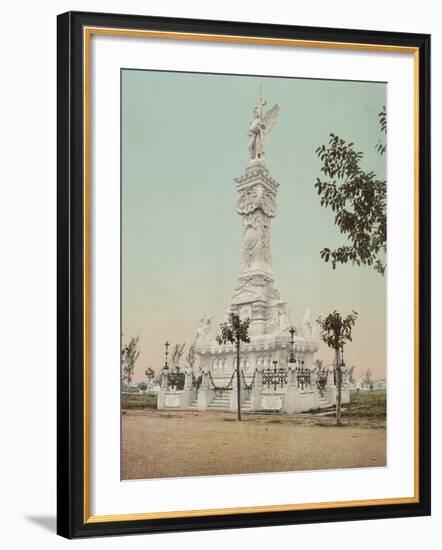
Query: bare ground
{"points": [[175, 444]]}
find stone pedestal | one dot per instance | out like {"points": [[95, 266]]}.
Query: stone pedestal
{"points": [[255, 395], [188, 379], [161, 399], [205, 393], [330, 394], [345, 394], [205, 397], [292, 401], [315, 397]]}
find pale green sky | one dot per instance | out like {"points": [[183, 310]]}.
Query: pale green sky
{"points": [[184, 140]]}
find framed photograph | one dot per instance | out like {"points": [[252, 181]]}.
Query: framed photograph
{"points": [[243, 274]]}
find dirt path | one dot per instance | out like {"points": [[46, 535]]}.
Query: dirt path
{"points": [[165, 444]]}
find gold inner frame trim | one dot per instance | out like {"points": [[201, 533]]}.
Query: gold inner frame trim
{"points": [[88, 32]]}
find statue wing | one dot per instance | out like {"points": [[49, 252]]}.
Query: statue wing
{"points": [[270, 118]]}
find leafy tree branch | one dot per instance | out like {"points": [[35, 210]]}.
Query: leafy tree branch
{"points": [[358, 199]]}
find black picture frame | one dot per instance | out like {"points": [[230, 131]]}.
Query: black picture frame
{"points": [[72, 520]]}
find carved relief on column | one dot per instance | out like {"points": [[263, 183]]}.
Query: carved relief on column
{"points": [[256, 203], [254, 198], [256, 242]]}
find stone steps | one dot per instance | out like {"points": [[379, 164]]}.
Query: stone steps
{"points": [[223, 404], [220, 402]]}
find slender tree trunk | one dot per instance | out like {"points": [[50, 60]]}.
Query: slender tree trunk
{"points": [[338, 388], [238, 382]]}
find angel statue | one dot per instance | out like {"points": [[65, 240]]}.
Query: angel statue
{"points": [[308, 324], [205, 326], [260, 127], [283, 318]]}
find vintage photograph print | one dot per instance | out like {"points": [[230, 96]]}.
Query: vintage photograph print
{"points": [[253, 274]]}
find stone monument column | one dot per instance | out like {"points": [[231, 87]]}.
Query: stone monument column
{"points": [[255, 296], [256, 204], [164, 380]]}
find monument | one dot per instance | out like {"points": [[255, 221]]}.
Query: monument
{"points": [[277, 371]]}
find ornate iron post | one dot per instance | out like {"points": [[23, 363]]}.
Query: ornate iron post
{"points": [[166, 367], [166, 353], [275, 375], [341, 366], [292, 344]]}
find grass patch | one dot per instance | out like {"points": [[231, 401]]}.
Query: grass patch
{"points": [[139, 401], [367, 403]]}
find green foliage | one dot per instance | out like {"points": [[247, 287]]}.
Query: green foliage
{"points": [[367, 404], [142, 386], [129, 356], [234, 330], [336, 329], [129, 389], [138, 401], [336, 332], [358, 199], [381, 146]]}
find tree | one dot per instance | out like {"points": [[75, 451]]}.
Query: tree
{"points": [[335, 333], [191, 356], [129, 356], [176, 354], [381, 146], [367, 378], [235, 331], [149, 374], [358, 199], [351, 378], [142, 386]]}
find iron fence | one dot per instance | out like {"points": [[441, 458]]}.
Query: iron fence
{"points": [[176, 380], [248, 387], [274, 377], [303, 378], [221, 389]]}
